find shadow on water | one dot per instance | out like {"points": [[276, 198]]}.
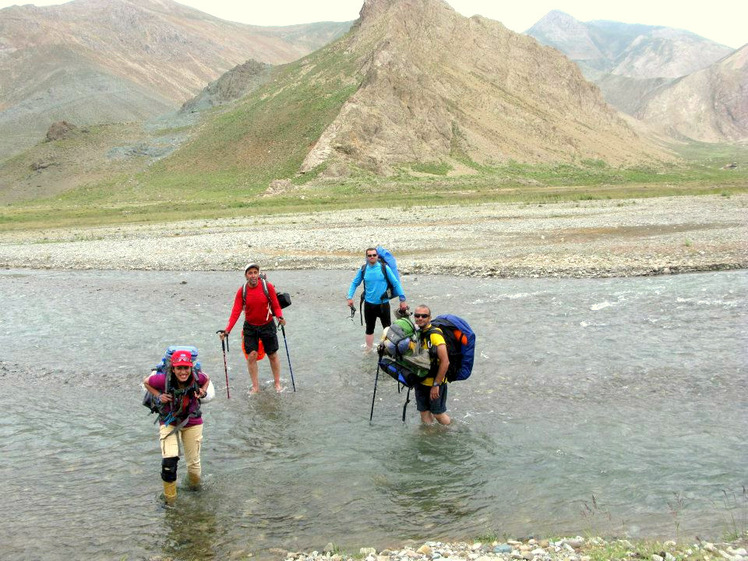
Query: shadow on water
{"points": [[611, 406]]}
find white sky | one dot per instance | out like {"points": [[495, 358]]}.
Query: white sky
{"points": [[724, 21]]}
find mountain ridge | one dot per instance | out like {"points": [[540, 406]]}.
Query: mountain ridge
{"points": [[162, 52]]}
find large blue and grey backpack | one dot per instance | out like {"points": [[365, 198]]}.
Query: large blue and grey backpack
{"points": [[460, 340]]}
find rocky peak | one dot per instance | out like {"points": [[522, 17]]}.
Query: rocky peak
{"points": [[435, 84], [570, 36]]}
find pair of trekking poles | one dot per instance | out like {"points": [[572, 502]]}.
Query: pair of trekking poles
{"points": [[225, 348]]}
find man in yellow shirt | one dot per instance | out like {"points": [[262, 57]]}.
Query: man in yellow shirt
{"points": [[431, 393]]}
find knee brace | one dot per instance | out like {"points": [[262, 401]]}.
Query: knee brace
{"points": [[169, 469]]}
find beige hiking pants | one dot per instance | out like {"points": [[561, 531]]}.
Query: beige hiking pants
{"points": [[191, 437]]}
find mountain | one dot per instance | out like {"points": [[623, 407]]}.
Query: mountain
{"points": [[413, 86], [627, 61], [436, 86], [710, 105], [100, 61]]}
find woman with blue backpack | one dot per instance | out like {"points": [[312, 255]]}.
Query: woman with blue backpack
{"points": [[177, 386]]}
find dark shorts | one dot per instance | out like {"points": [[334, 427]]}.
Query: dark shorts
{"points": [[372, 312], [423, 399], [251, 335]]}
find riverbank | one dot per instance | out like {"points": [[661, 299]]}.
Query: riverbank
{"points": [[571, 239], [564, 549]]}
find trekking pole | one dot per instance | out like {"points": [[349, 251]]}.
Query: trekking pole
{"points": [[225, 347], [283, 330]]}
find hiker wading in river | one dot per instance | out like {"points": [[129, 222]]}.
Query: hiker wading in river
{"points": [[376, 285], [178, 389], [260, 334], [431, 393]]}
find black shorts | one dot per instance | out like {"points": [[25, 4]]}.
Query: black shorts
{"points": [[372, 312], [424, 402], [251, 335]]}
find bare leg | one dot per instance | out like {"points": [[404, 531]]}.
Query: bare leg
{"points": [[443, 419], [275, 367], [252, 369], [427, 417], [369, 342]]}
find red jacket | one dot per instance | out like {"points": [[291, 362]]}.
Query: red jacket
{"points": [[256, 307]]}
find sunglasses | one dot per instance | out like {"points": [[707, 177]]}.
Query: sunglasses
{"points": [[371, 255], [420, 315]]}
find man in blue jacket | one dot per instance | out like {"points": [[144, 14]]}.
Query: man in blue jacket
{"points": [[376, 304]]}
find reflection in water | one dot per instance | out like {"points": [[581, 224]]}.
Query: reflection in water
{"points": [[603, 388]]}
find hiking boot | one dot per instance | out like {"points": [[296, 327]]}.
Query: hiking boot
{"points": [[193, 480], [170, 492]]}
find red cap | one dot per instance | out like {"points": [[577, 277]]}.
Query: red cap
{"points": [[181, 358]]}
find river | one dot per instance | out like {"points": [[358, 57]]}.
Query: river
{"points": [[602, 406]]}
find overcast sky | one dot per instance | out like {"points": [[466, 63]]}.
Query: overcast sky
{"points": [[723, 21]]}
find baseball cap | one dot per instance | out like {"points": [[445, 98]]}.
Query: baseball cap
{"points": [[181, 358], [252, 265]]}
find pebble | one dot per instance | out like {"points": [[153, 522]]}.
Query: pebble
{"points": [[642, 237], [531, 550]]}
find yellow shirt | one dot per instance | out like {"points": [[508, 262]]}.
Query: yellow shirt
{"points": [[434, 340]]}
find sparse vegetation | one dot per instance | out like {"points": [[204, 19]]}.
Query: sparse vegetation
{"points": [[181, 190]]}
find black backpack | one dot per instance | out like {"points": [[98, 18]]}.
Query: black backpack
{"points": [[284, 298]]}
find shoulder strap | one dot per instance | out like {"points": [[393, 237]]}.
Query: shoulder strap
{"points": [[167, 376], [384, 272], [363, 294], [429, 331], [263, 280], [264, 289]]}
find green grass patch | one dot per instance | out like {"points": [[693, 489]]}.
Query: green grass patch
{"points": [[210, 179]]}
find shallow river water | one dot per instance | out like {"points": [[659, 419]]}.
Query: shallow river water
{"points": [[608, 406]]}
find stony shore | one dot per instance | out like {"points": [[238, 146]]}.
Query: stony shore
{"points": [[564, 549], [574, 239]]}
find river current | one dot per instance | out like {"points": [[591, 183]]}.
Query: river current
{"points": [[598, 406]]}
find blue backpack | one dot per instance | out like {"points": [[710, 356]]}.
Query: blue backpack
{"points": [[460, 340], [386, 257]]}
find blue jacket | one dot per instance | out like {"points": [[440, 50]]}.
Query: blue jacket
{"points": [[375, 284]]}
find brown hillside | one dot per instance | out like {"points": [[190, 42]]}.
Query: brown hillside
{"points": [[438, 86], [710, 105], [105, 61]]}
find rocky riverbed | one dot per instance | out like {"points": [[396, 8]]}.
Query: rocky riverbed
{"points": [[572, 239], [564, 549]]}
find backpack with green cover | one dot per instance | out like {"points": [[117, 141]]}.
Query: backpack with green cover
{"points": [[402, 356]]}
